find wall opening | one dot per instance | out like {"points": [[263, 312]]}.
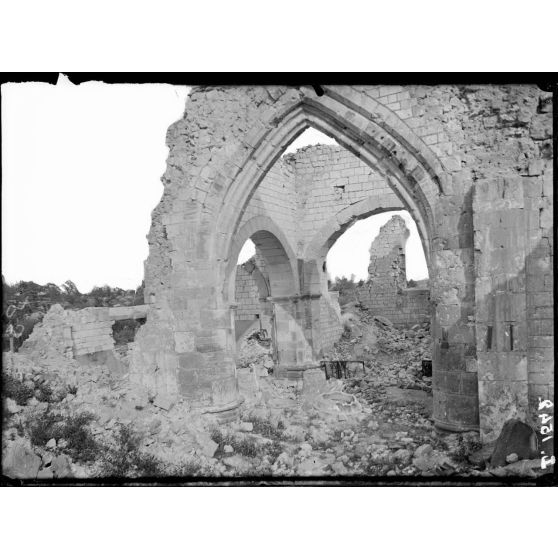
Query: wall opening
{"points": [[264, 307], [350, 253], [370, 264]]}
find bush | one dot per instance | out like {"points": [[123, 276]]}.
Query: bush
{"points": [[246, 447], [44, 393], [43, 428], [81, 445], [274, 450], [127, 460], [17, 390]]}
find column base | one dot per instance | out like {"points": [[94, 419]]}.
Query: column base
{"points": [[229, 412]]}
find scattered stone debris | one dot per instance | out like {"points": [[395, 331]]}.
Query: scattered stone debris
{"points": [[65, 419]]}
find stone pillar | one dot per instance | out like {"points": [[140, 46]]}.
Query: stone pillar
{"points": [[455, 385], [186, 349], [500, 252], [294, 347]]}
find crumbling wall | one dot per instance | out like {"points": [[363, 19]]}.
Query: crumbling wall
{"points": [[385, 292], [53, 334], [74, 333], [330, 322]]}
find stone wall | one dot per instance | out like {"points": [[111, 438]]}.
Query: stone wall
{"points": [[514, 303], [404, 308], [385, 292], [330, 179], [276, 197], [80, 332], [330, 318]]}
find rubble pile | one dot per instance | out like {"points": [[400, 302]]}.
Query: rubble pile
{"points": [[253, 351], [391, 355], [64, 419], [167, 435]]}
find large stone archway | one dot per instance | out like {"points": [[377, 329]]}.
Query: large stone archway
{"points": [[221, 151]]}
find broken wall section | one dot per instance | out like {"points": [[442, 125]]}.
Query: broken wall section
{"points": [[247, 295], [386, 293], [75, 333]]}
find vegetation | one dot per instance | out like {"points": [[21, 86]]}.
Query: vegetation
{"points": [[266, 428], [124, 331], [80, 444], [188, 469], [274, 449], [465, 447], [243, 446], [125, 459], [44, 393], [16, 389], [347, 289]]}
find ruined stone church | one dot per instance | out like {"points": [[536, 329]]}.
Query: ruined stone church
{"points": [[471, 164]]}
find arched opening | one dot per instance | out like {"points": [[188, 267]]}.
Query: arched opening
{"points": [[378, 139], [350, 253], [314, 192], [379, 264], [264, 303]]}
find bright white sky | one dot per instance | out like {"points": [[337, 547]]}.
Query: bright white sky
{"points": [[81, 175]]}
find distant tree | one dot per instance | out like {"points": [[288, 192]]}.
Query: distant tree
{"points": [[346, 288], [70, 288], [72, 297]]}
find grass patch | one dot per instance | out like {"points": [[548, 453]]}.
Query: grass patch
{"points": [[125, 459], [81, 444], [246, 447], [44, 427]]}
